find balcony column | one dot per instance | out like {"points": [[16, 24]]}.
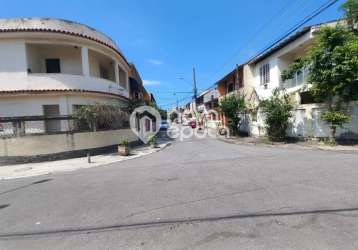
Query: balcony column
{"points": [[64, 110], [127, 80], [85, 61], [116, 72]]}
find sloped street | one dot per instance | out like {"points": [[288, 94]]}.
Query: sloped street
{"points": [[201, 194]]}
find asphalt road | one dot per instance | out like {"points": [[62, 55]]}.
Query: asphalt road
{"points": [[196, 194]]}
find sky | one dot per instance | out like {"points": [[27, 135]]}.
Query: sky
{"points": [[165, 39]]}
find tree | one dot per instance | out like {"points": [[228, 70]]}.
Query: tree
{"points": [[101, 116], [163, 113], [337, 119], [333, 66], [351, 12], [173, 116], [131, 105], [277, 110], [232, 106]]}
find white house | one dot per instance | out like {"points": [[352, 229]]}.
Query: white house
{"points": [[49, 66], [263, 74]]}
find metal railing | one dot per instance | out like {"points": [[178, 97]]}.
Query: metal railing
{"points": [[60, 124], [299, 78]]}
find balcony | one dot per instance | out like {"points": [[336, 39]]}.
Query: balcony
{"points": [[234, 92], [300, 78], [51, 58], [64, 81], [53, 66]]}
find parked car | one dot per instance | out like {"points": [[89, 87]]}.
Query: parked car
{"points": [[164, 125], [192, 124]]}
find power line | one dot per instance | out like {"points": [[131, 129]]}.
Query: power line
{"points": [[282, 11], [179, 100], [299, 25], [305, 20]]}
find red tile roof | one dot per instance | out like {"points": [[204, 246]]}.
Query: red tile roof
{"points": [[49, 91], [58, 26]]}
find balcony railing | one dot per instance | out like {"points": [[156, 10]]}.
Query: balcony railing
{"points": [[234, 92], [65, 81], [299, 78], [36, 125]]}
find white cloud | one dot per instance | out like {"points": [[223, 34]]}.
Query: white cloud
{"points": [[151, 82], [155, 62]]}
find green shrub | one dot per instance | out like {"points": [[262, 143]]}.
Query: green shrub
{"points": [[101, 116], [232, 106], [336, 119], [277, 110], [173, 116], [153, 140], [125, 143]]}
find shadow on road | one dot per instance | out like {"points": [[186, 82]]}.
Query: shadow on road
{"points": [[25, 186], [150, 224]]}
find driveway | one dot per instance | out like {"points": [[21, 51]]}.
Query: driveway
{"points": [[196, 194]]}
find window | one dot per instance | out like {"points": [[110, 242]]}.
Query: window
{"points": [[230, 87], [52, 126], [147, 125], [298, 79], [103, 73], [53, 65], [265, 74]]}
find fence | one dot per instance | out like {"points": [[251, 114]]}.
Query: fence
{"points": [[40, 125], [39, 138]]}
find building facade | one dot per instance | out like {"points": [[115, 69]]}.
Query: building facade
{"points": [[48, 67], [230, 84], [262, 75]]}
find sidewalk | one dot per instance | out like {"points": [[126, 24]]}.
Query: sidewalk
{"points": [[296, 145], [51, 167]]}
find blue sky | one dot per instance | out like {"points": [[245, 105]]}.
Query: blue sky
{"points": [[166, 38]]}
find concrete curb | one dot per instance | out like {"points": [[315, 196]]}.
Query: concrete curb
{"points": [[292, 146], [70, 165]]}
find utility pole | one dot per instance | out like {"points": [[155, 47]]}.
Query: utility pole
{"points": [[237, 84], [195, 90]]}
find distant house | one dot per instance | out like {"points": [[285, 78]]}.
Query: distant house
{"points": [[230, 84], [136, 88]]}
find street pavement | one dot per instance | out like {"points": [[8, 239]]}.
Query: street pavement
{"points": [[195, 194]]}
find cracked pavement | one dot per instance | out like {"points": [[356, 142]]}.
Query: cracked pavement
{"points": [[196, 194]]}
